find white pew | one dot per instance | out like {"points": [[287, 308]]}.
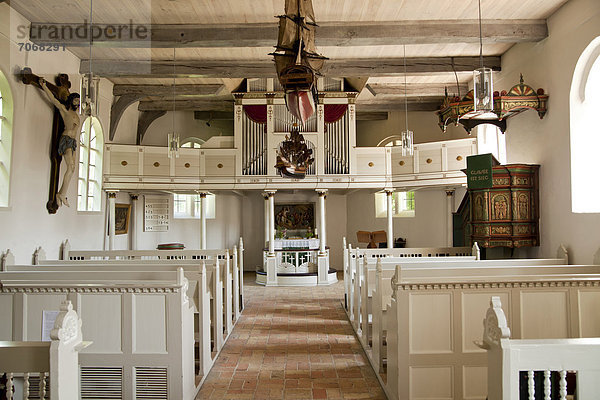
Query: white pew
{"points": [[433, 323], [57, 359], [507, 358], [141, 322]]}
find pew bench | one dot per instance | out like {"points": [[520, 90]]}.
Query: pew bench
{"points": [[118, 310]]}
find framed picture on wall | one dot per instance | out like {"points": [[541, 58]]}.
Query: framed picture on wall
{"points": [[122, 212]]}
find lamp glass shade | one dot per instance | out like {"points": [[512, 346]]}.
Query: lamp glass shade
{"points": [[483, 90], [89, 90], [407, 143], [173, 144]]}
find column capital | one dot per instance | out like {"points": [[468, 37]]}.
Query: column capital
{"points": [[269, 193], [133, 196], [322, 192], [388, 192], [449, 192], [112, 194]]}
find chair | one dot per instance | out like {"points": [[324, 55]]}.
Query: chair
{"points": [[365, 237]]}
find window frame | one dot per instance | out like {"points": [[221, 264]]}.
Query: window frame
{"points": [[192, 206], [6, 140], [90, 125], [397, 199]]}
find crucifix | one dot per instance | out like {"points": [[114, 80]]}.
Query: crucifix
{"points": [[65, 133]]}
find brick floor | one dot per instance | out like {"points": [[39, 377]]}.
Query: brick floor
{"points": [[292, 343]]}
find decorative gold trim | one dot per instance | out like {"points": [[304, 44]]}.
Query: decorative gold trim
{"points": [[401, 163], [187, 165], [459, 158], [123, 163], [429, 161], [156, 164], [219, 165], [370, 164]]}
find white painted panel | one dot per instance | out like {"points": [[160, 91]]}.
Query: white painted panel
{"points": [[475, 383], [220, 165], [150, 324], [124, 162], [430, 160], [6, 304], [589, 317], [36, 304], [188, 163], [402, 164], [101, 322], [474, 307], [431, 383], [544, 315], [156, 164], [370, 164], [457, 157], [430, 323]]}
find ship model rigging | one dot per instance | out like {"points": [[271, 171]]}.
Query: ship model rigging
{"points": [[297, 63]]}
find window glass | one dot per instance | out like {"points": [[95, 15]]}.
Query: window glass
{"points": [[90, 165], [403, 204], [188, 206]]}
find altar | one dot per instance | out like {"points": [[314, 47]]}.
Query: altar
{"points": [[294, 260]]}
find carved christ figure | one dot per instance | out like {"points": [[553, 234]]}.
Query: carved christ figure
{"points": [[67, 144]]}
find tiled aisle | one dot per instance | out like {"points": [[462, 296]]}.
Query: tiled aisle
{"points": [[292, 343]]}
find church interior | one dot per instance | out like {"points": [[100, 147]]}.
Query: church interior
{"points": [[220, 225]]}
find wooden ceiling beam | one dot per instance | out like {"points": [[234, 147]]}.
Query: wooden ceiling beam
{"points": [[417, 89], [373, 67], [186, 105], [414, 104], [166, 90], [372, 33]]}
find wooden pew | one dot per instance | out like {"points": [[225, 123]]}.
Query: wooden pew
{"points": [[214, 318], [57, 359], [508, 358], [142, 324], [432, 322]]}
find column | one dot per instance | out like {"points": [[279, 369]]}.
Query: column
{"points": [[111, 220], [322, 234], [202, 221], [322, 257], [390, 220], [271, 223], [133, 222], [449, 210], [266, 212], [271, 259]]}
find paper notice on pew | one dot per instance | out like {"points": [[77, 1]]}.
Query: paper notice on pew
{"points": [[48, 319]]}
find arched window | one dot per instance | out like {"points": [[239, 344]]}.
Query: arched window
{"points": [[394, 140], [6, 124], [584, 133], [90, 166], [192, 143]]}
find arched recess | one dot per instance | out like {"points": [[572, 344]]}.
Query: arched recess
{"points": [[584, 104], [6, 136]]}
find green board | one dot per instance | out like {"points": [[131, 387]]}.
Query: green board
{"points": [[479, 171]]}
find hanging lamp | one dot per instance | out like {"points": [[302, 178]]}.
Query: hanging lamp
{"points": [[483, 89], [173, 137], [90, 84], [407, 135]]}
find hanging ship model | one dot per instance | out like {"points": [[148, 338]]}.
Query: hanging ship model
{"points": [[297, 63]]}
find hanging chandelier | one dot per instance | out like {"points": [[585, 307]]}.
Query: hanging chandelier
{"points": [[407, 135], [90, 84], [482, 81], [173, 137]]}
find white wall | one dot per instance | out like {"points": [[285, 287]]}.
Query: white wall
{"points": [[423, 124], [26, 223], [549, 64], [426, 229], [156, 134]]}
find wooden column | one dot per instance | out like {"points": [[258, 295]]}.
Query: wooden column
{"points": [[111, 220], [266, 212], [449, 210], [133, 222], [390, 220]]}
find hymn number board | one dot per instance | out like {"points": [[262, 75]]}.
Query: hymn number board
{"points": [[156, 213]]}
